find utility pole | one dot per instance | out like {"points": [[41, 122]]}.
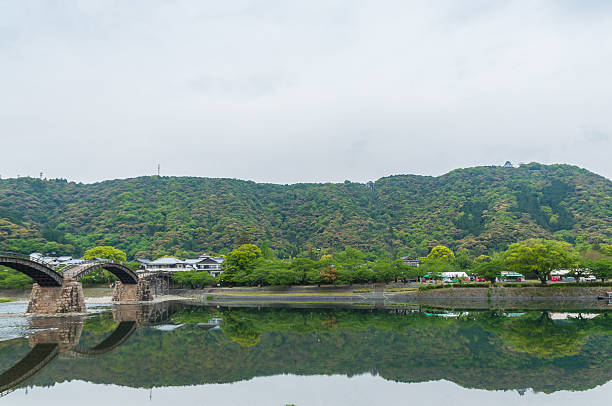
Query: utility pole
{"points": [[158, 170]]}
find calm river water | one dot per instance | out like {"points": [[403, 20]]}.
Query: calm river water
{"points": [[184, 354]]}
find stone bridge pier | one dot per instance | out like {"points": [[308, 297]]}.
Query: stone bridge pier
{"points": [[139, 292], [67, 298]]}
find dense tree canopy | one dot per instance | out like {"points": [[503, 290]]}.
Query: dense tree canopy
{"points": [[106, 252], [440, 252], [600, 268], [490, 270], [541, 257], [477, 210]]}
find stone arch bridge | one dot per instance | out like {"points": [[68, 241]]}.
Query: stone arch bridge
{"points": [[61, 291]]}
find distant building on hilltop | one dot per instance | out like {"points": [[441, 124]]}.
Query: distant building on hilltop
{"points": [[508, 164]]}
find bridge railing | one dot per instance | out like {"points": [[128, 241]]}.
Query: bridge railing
{"points": [[58, 268], [15, 255], [86, 262]]}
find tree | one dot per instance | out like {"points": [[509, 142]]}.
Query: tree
{"points": [[349, 258], [314, 277], [257, 275], [482, 258], [600, 268], [242, 257], [434, 268], [411, 272], [580, 270], [106, 252], [282, 276], [540, 257], [463, 261], [301, 267], [490, 270], [240, 262], [326, 258], [15, 280], [193, 279], [329, 274], [385, 271], [266, 251], [441, 252]]}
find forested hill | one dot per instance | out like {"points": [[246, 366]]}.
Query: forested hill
{"points": [[479, 209]]}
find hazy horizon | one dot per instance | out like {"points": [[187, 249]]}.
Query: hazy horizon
{"points": [[516, 165]]}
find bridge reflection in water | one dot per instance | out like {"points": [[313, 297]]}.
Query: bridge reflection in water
{"points": [[54, 336], [494, 349]]}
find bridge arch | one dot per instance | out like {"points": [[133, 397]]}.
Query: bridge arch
{"points": [[120, 335], [40, 272], [39, 357], [42, 354], [122, 272]]}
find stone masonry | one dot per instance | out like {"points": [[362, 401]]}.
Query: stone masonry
{"points": [[140, 292], [68, 298], [65, 332]]}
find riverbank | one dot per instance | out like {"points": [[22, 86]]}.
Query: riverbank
{"points": [[395, 293]]}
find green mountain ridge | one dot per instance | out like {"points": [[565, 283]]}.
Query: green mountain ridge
{"points": [[478, 209]]}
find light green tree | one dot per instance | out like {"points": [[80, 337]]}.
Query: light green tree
{"points": [[240, 262], [607, 250], [106, 252], [600, 268], [490, 270], [482, 258], [440, 252], [540, 257], [433, 268]]}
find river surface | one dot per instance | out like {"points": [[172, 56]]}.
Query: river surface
{"points": [[185, 354]]}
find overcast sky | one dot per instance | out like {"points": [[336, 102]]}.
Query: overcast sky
{"points": [[299, 91]]}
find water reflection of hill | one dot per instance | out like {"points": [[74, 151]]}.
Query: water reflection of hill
{"points": [[483, 350]]}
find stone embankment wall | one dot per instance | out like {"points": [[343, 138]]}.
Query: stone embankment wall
{"points": [[140, 292], [68, 298], [549, 292]]}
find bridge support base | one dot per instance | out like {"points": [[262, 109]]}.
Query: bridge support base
{"points": [[140, 292], [50, 300], [65, 332]]}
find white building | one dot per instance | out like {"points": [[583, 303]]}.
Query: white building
{"points": [[449, 276], [170, 264], [207, 263]]}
